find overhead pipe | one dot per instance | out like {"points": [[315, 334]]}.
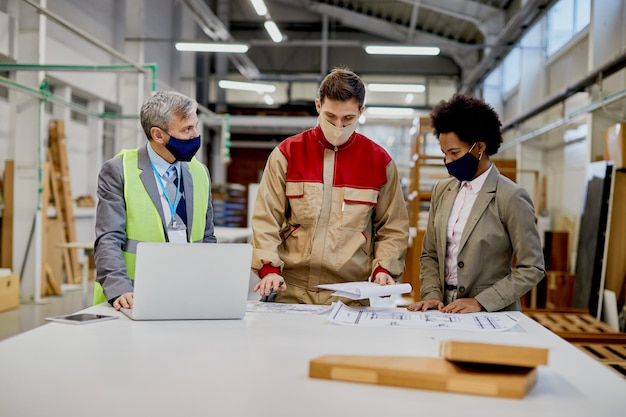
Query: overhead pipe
{"points": [[604, 71], [43, 93], [79, 67], [565, 120]]}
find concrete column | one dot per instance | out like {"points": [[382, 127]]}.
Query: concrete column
{"points": [[607, 34], [29, 153], [132, 90], [94, 150]]}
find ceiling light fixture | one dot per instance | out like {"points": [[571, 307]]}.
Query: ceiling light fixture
{"points": [[233, 48], [259, 7], [268, 99], [273, 31], [239, 85], [396, 88], [401, 50]]}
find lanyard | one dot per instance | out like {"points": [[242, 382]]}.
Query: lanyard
{"points": [[167, 197]]}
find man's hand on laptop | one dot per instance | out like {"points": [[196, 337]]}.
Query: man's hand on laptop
{"points": [[270, 283], [124, 301]]}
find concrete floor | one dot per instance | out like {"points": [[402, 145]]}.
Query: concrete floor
{"points": [[30, 315]]}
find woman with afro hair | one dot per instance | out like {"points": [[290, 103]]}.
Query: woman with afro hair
{"points": [[478, 220]]}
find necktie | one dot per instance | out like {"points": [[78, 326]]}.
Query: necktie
{"points": [[171, 187]]}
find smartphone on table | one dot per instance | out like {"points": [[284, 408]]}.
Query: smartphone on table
{"points": [[80, 318]]}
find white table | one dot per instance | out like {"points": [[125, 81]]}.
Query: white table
{"points": [[258, 366], [233, 234]]}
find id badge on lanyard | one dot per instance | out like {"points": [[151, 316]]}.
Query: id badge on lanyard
{"points": [[176, 230]]}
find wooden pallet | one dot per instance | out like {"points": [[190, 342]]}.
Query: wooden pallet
{"points": [[577, 327], [612, 355]]}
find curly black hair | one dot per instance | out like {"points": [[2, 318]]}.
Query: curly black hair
{"points": [[471, 119]]}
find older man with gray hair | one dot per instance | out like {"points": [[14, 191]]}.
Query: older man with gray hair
{"points": [[156, 193]]}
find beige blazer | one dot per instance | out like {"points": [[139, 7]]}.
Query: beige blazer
{"points": [[501, 223]]}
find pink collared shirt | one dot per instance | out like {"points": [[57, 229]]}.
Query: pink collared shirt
{"points": [[456, 222]]}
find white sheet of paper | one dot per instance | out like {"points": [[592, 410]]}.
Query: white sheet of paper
{"points": [[264, 307], [432, 319], [365, 289]]}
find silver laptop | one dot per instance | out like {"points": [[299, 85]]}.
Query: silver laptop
{"points": [[191, 281]]}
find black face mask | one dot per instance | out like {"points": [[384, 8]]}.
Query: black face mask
{"points": [[183, 149], [465, 167]]}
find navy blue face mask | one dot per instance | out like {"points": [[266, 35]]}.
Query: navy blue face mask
{"points": [[465, 167], [183, 149]]}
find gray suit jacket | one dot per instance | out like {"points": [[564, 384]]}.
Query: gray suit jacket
{"points": [[111, 219], [502, 222]]}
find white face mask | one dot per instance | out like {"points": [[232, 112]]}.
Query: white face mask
{"points": [[336, 136]]}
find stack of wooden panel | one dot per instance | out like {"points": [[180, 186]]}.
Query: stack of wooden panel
{"points": [[464, 367]]}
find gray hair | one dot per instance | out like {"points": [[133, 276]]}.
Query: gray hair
{"points": [[160, 109]]}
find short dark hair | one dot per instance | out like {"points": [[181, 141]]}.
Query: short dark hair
{"points": [[470, 118], [342, 84]]}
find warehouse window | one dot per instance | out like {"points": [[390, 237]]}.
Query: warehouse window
{"points": [[565, 20], [78, 116], [48, 105], [511, 70]]}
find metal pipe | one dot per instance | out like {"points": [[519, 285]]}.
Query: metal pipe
{"points": [[67, 67], [42, 94], [560, 122], [604, 71]]}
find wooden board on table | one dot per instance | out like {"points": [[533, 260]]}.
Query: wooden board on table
{"points": [[426, 373], [488, 353]]}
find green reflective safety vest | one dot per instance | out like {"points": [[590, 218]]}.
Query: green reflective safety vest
{"points": [[143, 222]]}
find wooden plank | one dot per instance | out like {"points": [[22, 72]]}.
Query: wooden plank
{"points": [[6, 260], [426, 373], [488, 353], [64, 251], [55, 256], [615, 259], [46, 287], [559, 289]]}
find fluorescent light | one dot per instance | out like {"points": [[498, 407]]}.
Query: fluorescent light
{"points": [[239, 85], [395, 112], [401, 50], [235, 48], [396, 88], [273, 31], [259, 7], [268, 99], [408, 99]]}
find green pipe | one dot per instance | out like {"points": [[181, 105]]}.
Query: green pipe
{"points": [[43, 93], [66, 67]]}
